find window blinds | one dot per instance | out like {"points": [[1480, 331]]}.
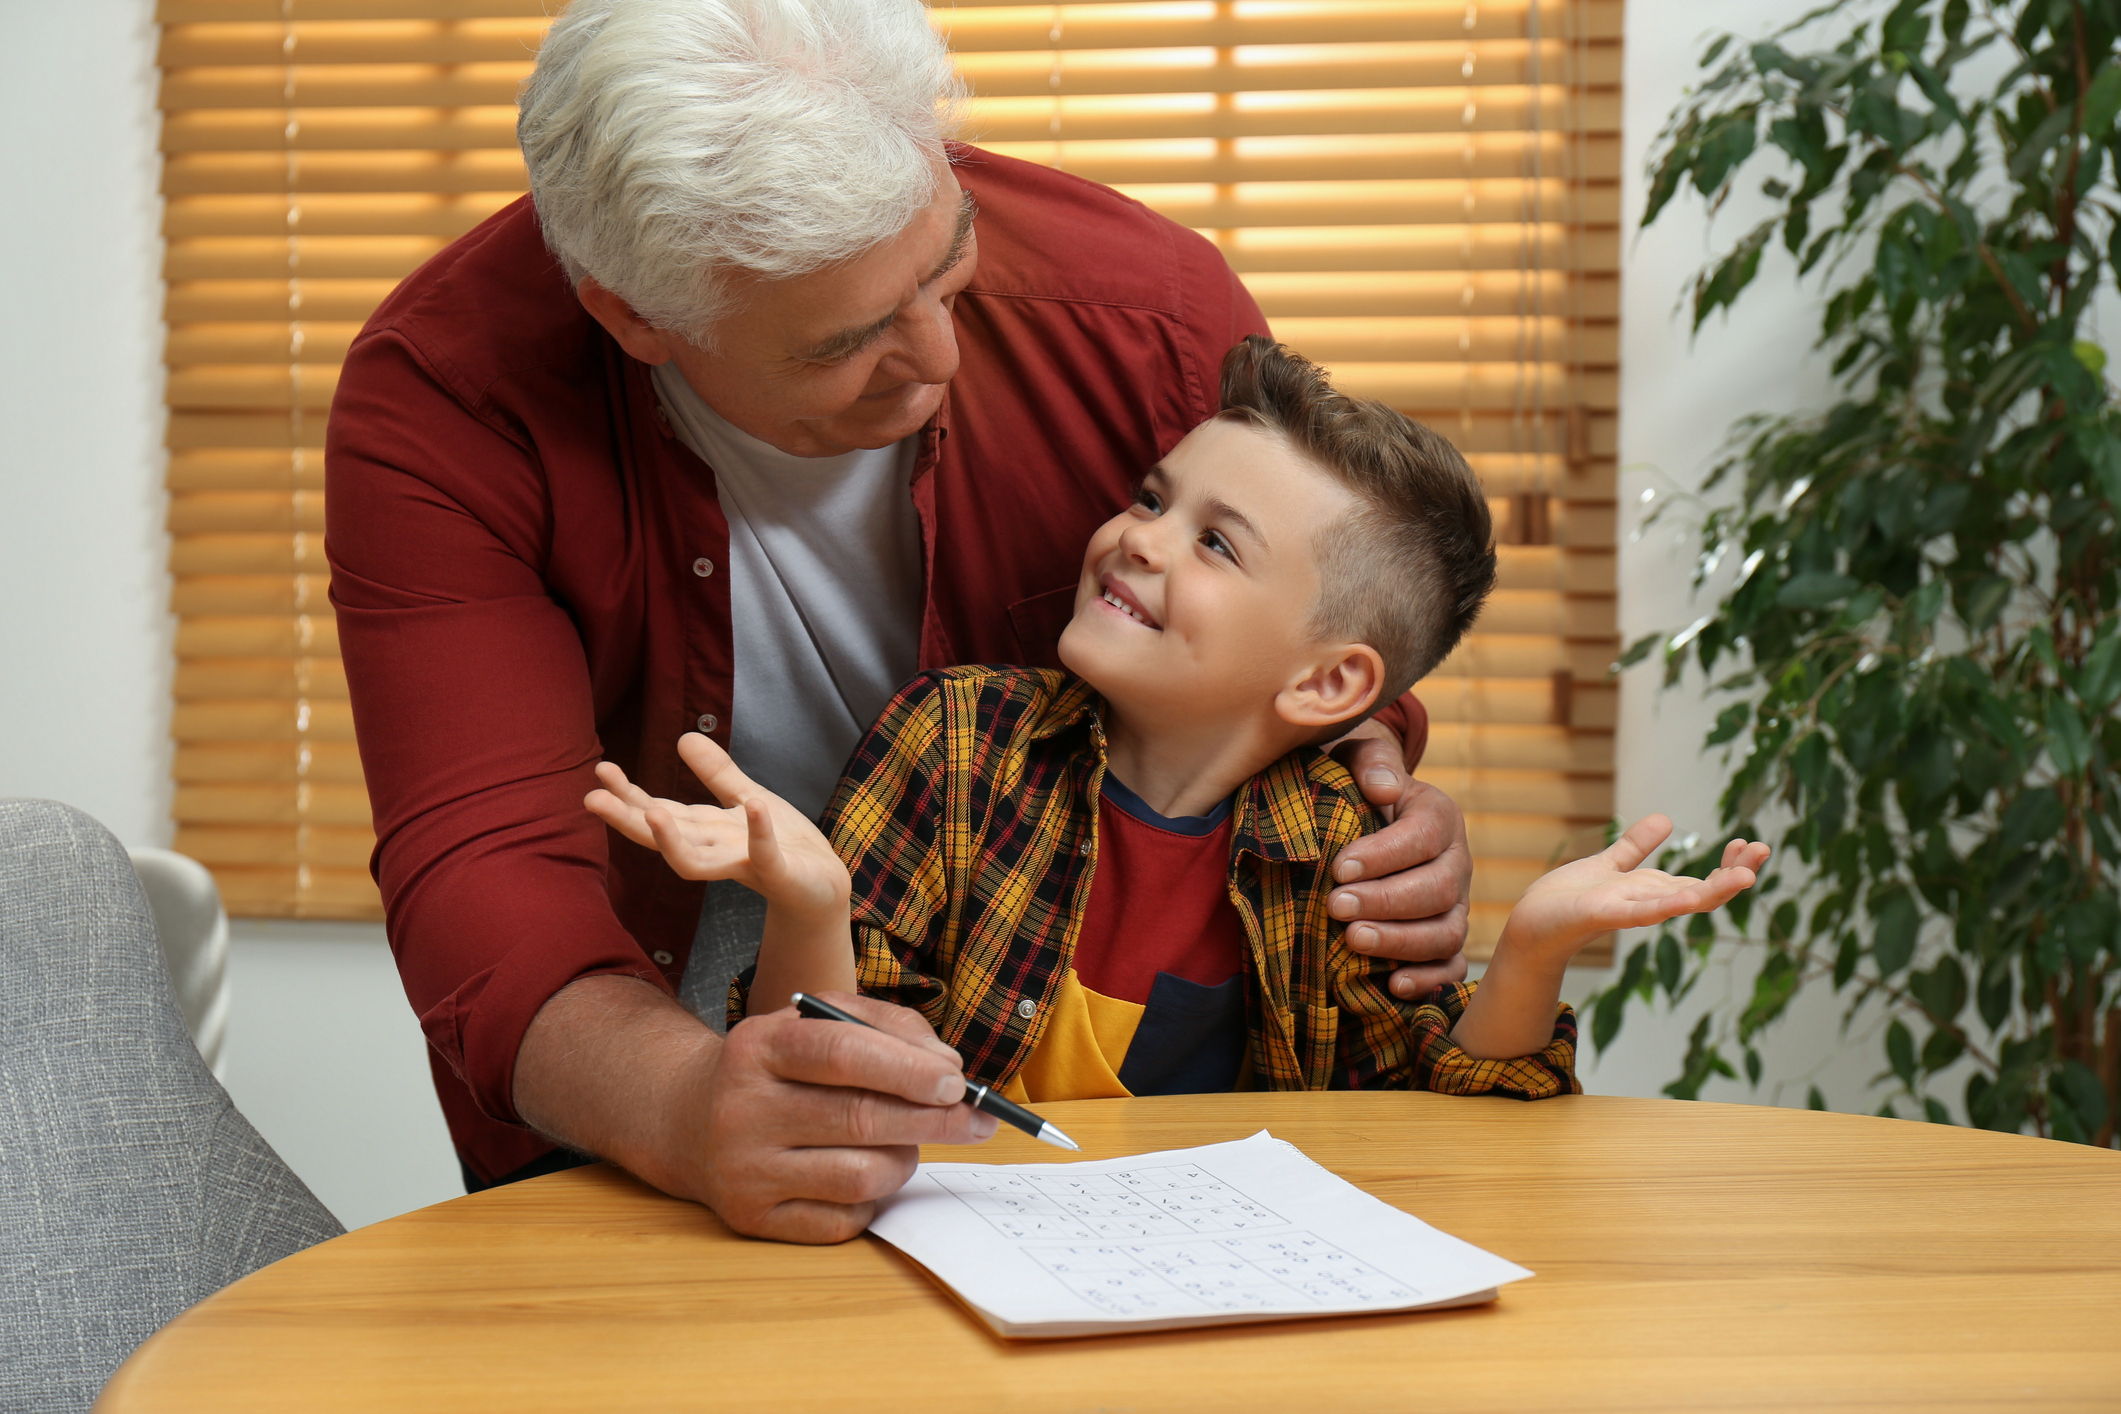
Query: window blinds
{"points": [[1422, 195]]}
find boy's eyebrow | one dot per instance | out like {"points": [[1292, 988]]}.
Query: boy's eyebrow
{"points": [[1219, 509], [849, 341]]}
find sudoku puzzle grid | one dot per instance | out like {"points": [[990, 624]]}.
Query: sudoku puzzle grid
{"points": [[1158, 1202], [1218, 1259]]}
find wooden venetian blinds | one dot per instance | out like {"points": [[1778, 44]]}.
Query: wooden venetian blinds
{"points": [[1422, 194]]}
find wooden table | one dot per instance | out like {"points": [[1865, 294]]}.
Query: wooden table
{"points": [[1689, 1257]]}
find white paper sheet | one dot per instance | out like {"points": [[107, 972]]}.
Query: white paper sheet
{"points": [[1246, 1231]]}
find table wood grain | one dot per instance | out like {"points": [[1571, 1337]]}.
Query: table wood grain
{"points": [[1689, 1257]]}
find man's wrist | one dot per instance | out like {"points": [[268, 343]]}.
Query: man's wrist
{"points": [[674, 1159], [614, 1067]]}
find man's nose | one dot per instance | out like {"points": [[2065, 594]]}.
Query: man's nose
{"points": [[926, 348]]}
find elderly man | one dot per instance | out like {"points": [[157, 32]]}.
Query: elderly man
{"points": [[766, 399]]}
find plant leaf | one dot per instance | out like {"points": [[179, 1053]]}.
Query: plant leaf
{"points": [[2068, 743], [1732, 274], [1900, 1052], [1815, 589], [1895, 922], [2074, 1089]]}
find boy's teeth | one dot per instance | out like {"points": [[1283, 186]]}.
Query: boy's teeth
{"points": [[1120, 604]]}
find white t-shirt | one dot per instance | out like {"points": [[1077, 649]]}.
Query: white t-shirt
{"points": [[824, 594]]}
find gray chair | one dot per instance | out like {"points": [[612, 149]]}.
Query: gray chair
{"points": [[129, 1186], [194, 931]]}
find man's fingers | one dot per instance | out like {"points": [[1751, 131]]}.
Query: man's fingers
{"points": [[810, 1116], [1426, 891], [1378, 766], [902, 1022], [834, 1054], [843, 1175], [807, 1221], [1424, 827], [1420, 941], [1409, 983], [1640, 838]]}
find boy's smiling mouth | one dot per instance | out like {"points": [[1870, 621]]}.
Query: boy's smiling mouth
{"points": [[1120, 598]]}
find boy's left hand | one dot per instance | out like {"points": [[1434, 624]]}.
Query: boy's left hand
{"points": [[1569, 906]]}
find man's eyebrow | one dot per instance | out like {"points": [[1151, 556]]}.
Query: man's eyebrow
{"points": [[960, 238], [850, 341], [844, 343]]}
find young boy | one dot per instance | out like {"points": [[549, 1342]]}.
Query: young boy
{"points": [[1115, 881]]}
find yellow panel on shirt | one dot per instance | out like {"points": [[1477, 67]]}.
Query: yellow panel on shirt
{"points": [[1085, 1044]]}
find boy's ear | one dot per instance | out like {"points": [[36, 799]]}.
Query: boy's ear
{"points": [[1341, 683]]}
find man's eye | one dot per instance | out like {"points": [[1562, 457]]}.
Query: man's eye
{"points": [[1216, 544]]}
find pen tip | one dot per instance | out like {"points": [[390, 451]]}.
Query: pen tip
{"points": [[1057, 1139]]}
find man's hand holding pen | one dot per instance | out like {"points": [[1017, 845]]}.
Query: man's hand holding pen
{"points": [[803, 1127]]}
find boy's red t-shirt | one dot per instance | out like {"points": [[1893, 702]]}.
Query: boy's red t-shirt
{"points": [[1159, 930]]}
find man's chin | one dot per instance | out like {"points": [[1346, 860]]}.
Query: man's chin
{"points": [[861, 429]]}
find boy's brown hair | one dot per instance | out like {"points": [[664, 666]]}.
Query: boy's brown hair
{"points": [[1408, 572]]}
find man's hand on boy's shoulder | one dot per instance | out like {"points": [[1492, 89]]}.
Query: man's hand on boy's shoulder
{"points": [[1406, 886]]}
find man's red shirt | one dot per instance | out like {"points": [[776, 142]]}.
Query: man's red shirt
{"points": [[517, 544]]}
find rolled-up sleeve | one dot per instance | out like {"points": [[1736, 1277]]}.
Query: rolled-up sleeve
{"points": [[473, 709], [1389, 1044], [1439, 1064]]}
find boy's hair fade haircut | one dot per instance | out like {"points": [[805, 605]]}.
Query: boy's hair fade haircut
{"points": [[1408, 572]]}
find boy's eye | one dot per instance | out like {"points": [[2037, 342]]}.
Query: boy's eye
{"points": [[1149, 501], [1216, 544]]}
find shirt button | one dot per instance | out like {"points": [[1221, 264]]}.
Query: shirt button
{"points": [[1027, 1008], [663, 959], [703, 567], [708, 721]]}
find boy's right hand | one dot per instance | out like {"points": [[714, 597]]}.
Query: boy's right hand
{"points": [[759, 839]]}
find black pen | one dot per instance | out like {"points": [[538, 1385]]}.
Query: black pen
{"points": [[980, 1097]]}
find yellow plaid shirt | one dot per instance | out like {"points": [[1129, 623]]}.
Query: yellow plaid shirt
{"points": [[968, 819]]}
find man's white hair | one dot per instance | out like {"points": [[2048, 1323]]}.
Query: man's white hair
{"points": [[671, 141]]}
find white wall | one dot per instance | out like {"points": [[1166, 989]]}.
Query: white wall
{"points": [[84, 623], [322, 1052]]}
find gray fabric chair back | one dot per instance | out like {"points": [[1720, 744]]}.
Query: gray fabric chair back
{"points": [[129, 1186]]}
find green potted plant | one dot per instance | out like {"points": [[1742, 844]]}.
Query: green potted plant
{"points": [[1919, 645]]}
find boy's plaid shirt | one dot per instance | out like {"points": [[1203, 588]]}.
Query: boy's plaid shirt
{"points": [[968, 819]]}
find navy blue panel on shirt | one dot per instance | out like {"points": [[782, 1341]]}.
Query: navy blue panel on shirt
{"points": [[1191, 1040], [1115, 790]]}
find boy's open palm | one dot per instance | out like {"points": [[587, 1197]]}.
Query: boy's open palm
{"points": [[1573, 904], [757, 838]]}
